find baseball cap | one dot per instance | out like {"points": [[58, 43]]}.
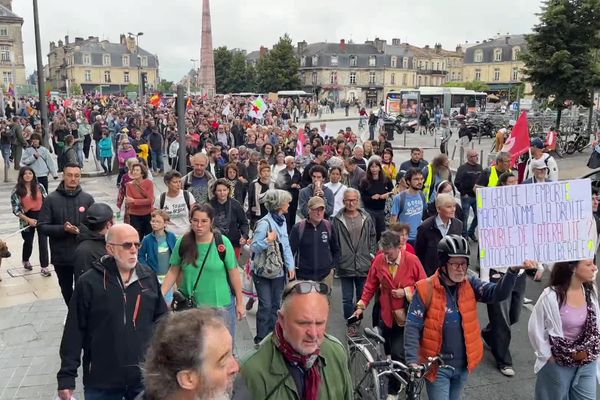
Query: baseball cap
{"points": [[538, 164], [98, 213], [537, 143], [316, 202]]}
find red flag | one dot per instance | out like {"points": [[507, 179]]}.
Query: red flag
{"points": [[155, 100], [301, 142], [518, 143]]}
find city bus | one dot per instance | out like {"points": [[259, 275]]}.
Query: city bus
{"points": [[406, 102]]}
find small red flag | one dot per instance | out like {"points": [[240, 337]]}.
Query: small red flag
{"points": [[518, 143]]}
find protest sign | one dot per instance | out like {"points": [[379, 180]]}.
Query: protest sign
{"points": [[545, 222]]}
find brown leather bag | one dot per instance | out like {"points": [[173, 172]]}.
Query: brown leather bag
{"points": [[399, 316]]}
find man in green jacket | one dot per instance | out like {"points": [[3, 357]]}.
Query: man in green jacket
{"points": [[299, 360]]}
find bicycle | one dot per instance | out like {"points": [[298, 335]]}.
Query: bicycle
{"points": [[367, 371]]}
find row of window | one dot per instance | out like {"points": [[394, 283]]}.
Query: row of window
{"points": [[421, 64], [87, 76], [496, 77], [333, 78], [106, 60], [478, 55]]}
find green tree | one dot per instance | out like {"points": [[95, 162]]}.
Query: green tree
{"points": [[278, 69], [223, 58], [131, 88], [76, 90], [236, 78], [250, 83], [165, 86], [559, 61]]}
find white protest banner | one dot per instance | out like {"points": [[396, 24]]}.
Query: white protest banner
{"points": [[545, 222]]}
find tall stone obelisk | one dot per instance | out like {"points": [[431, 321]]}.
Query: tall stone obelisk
{"points": [[207, 61]]}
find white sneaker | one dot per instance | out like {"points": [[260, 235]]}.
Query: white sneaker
{"points": [[507, 371]]}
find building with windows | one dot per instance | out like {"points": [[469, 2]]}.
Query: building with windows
{"points": [[12, 66], [496, 62], [100, 65], [368, 71]]}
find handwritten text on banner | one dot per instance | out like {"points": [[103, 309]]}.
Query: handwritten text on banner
{"points": [[546, 222]]}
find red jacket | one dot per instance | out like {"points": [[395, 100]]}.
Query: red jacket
{"points": [[409, 272]]}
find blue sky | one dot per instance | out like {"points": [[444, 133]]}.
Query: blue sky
{"points": [[172, 28]]}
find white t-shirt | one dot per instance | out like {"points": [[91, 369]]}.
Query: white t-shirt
{"points": [[338, 190], [178, 212]]}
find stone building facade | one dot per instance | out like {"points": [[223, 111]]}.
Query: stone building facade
{"points": [[12, 65], [94, 63]]}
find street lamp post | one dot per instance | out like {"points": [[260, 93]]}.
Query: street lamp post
{"points": [[40, 76], [194, 61], [139, 65]]}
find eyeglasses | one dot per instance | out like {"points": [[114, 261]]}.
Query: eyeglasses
{"points": [[305, 287], [461, 265], [127, 245]]}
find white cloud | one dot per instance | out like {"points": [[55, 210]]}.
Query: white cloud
{"points": [[172, 28]]}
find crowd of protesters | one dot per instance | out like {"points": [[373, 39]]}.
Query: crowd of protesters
{"points": [[283, 201]]}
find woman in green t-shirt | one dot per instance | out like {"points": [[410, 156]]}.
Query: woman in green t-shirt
{"points": [[196, 254]]}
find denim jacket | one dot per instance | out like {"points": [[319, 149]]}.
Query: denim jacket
{"points": [[148, 254], [259, 240]]}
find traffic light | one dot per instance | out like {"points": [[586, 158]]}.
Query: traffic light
{"points": [[144, 82]]}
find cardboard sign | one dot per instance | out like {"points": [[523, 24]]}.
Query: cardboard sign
{"points": [[545, 222]]}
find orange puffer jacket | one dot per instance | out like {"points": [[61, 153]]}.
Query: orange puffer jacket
{"points": [[433, 294]]}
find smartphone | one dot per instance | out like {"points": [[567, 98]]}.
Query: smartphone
{"points": [[353, 319]]}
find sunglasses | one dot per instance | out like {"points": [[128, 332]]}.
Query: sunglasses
{"points": [[127, 245], [305, 287]]}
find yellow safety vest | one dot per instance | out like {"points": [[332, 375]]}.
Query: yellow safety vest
{"points": [[428, 182], [493, 181]]}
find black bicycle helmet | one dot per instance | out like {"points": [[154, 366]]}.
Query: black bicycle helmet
{"points": [[452, 246]]}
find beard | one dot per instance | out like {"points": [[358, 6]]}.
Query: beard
{"points": [[213, 394]]}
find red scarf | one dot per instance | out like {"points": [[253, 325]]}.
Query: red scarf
{"points": [[308, 363]]}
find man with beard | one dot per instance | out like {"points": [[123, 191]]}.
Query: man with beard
{"points": [[111, 318], [299, 360], [408, 206], [63, 211], [190, 358]]}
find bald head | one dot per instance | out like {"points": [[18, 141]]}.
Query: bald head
{"points": [[303, 319], [122, 242], [116, 232]]}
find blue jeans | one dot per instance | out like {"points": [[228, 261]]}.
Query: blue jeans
{"points": [[269, 292], [573, 383], [157, 161], [448, 385], [230, 317], [127, 393], [5, 153], [467, 202], [350, 286]]}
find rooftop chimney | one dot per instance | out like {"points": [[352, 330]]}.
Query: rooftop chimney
{"points": [[342, 44], [122, 39], [379, 44], [438, 48], [66, 40], [60, 43], [506, 39], [301, 46], [263, 51], [395, 42]]}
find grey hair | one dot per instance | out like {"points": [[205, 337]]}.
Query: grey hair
{"points": [[289, 158], [374, 157], [443, 199], [273, 199], [502, 154], [352, 190], [335, 162], [389, 240], [178, 344]]}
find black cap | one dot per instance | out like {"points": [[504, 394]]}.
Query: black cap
{"points": [[98, 213]]}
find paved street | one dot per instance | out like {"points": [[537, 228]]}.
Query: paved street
{"points": [[32, 311]]}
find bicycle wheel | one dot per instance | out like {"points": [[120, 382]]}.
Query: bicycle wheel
{"points": [[581, 144], [366, 385], [570, 147]]}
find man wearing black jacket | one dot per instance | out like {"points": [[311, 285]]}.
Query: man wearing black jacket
{"points": [[63, 211], [465, 180], [91, 239], [289, 179], [111, 318]]}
